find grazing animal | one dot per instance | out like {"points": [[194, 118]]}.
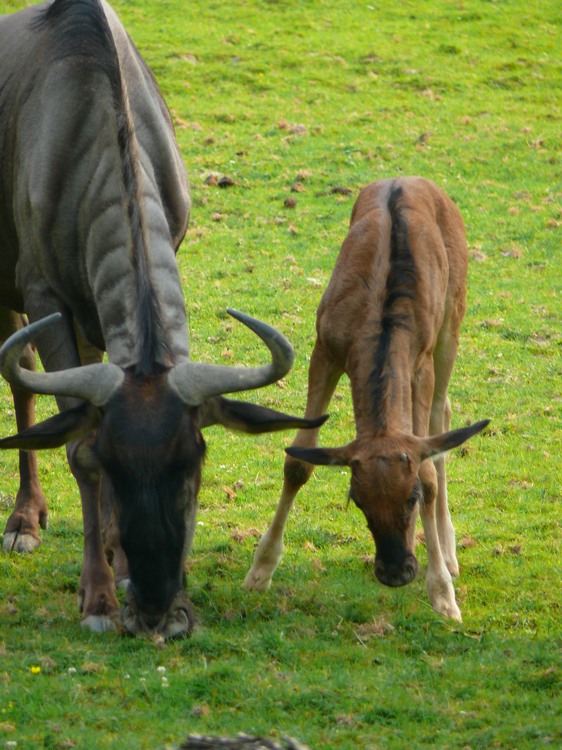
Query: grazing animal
{"points": [[390, 320], [94, 202]]}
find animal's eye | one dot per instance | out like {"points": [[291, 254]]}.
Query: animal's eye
{"points": [[416, 495], [411, 502]]}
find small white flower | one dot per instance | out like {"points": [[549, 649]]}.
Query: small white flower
{"points": [[161, 669], [72, 670]]}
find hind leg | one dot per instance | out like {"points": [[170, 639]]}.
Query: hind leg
{"points": [[30, 512], [323, 376]]}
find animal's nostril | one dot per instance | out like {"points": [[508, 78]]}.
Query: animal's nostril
{"points": [[411, 569]]}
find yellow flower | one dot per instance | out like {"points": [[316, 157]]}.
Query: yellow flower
{"points": [[35, 669]]}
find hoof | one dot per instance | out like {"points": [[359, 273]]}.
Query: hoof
{"points": [[256, 582], [16, 542], [454, 613], [442, 595], [448, 609], [98, 623]]}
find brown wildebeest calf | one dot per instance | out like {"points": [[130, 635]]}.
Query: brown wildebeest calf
{"points": [[390, 320]]}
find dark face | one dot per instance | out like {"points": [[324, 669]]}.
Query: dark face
{"points": [[387, 490], [152, 450]]}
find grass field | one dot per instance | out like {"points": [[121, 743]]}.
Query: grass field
{"points": [[311, 100]]}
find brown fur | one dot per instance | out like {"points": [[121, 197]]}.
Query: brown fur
{"points": [[389, 319]]}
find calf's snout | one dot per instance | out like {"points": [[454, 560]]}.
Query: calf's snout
{"points": [[396, 573]]}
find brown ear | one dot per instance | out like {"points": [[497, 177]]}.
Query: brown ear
{"points": [[56, 431], [433, 446], [251, 418], [322, 456]]}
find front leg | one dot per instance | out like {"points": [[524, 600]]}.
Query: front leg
{"points": [[114, 552], [432, 415], [270, 548], [323, 376], [439, 582], [440, 422], [445, 526], [96, 592]]}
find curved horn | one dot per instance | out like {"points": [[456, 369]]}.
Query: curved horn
{"points": [[195, 382], [93, 383]]}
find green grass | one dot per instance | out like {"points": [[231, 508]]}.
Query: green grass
{"points": [[270, 94]]}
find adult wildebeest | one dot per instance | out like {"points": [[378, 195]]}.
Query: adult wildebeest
{"points": [[390, 319], [94, 202]]}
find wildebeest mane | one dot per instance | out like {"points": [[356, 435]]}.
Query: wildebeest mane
{"points": [[79, 29], [400, 284]]}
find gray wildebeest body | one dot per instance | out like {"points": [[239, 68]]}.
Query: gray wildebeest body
{"points": [[94, 203], [390, 319]]}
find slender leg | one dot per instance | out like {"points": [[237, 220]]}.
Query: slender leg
{"points": [[422, 394], [30, 512], [439, 582], [445, 527], [323, 376], [440, 422], [96, 591], [428, 401], [60, 349], [111, 540], [109, 530]]}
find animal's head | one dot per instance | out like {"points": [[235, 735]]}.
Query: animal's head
{"points": [[143, 433], [386, 486], [150, 447]]}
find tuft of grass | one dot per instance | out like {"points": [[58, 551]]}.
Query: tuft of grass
{"points": [[311, 101]]}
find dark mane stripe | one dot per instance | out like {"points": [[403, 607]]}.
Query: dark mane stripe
{"points": [[400, 284], [80, 29]]}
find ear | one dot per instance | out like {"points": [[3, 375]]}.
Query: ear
{"points": [[56, 431], [322, 456], [245, 417], [433, 446]]}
